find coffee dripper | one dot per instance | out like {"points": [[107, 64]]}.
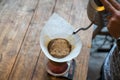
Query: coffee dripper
{"points": [[57, 27]]}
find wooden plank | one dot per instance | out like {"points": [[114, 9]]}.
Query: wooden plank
{"points": [[29, 53], [63, 8], [79, 19], [2, 10], [14, 20]]}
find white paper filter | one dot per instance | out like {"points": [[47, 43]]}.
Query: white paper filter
{"points": [[57, 27]]}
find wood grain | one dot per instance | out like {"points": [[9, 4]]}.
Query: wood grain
{"points": [[14, 21], [21, 22], [29, 53]]}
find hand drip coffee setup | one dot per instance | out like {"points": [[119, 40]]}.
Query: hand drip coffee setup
{"points": [[59, 61]]}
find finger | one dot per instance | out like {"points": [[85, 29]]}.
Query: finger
{"points": [[108, 6], [115, 4], [113, 32]]}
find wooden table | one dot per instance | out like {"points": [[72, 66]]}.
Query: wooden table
{"points": [[21, 22]]}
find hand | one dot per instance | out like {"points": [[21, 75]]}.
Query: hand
{"points": [[114, 21]]}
